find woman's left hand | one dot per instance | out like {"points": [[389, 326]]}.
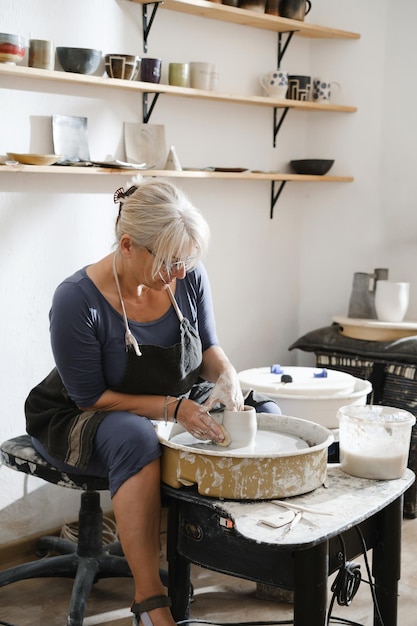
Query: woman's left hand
{"points": [[227, 391]]}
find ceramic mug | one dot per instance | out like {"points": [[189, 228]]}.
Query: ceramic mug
{"points": [[201, 75], [275, 83], [322, 89], [252, 5], [41, 54], [179, 74], [299, 87], [391, 300], [150, 70], [241, 426], [294, 9]]}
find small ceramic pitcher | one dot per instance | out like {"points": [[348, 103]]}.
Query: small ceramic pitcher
{"points": [[294, 9]]}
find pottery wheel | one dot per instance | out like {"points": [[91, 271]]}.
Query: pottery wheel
{"points": [[266, 442]]}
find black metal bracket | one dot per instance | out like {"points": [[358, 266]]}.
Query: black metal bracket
{"points": [[275, 196], [146, 114], [147, 25], [278, 124], [283, 47]]}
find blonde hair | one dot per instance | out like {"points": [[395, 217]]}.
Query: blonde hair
{"points": [[159, 217]]}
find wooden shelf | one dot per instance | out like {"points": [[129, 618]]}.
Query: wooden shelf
{"points": [[89, 171], [169, 90], [225, 13]]}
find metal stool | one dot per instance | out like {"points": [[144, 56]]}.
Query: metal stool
{"points": [[86, 561]]}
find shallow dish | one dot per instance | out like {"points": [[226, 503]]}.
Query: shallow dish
{"points": [[12, 48], [314, 167], [34, 159], [79, 60]]}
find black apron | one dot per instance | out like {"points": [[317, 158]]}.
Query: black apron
{"points": [[68, 434]]}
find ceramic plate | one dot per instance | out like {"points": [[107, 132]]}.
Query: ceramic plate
{"points": [[34, 159]]}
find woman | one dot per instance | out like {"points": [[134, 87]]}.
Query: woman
{"points": [[134, 340]]}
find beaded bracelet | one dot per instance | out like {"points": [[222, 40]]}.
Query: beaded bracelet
{"points": [[176, 409]]}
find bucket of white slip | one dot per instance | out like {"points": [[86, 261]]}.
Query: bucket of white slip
{"points": [[374, 441]]}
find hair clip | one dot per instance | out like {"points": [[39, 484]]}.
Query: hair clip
{"points": [[120, 193]]}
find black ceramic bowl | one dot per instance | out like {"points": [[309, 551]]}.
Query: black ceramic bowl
{"points": [[315, 167], [79, 60]]}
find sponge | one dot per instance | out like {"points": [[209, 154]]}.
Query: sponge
{"points": [[227, 438]]}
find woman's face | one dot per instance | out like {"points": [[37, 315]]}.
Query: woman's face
{"points": [[142, 267]]}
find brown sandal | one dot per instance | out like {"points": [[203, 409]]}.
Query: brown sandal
{"points": [[141, 609]]}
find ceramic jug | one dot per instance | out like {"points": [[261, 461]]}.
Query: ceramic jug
{"points": [[294, 9], [362, 298]]}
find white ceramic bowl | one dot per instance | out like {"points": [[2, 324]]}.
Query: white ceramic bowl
{"points": [[12, 48]]}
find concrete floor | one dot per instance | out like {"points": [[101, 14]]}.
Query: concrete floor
{"points": [[218, 598]]}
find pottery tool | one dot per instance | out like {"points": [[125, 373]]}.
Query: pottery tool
{"points": [[297, 507], [282, 518], [227, 438], [294, 523]]}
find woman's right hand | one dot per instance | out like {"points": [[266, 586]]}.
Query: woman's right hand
{"points": [[198, 422]]}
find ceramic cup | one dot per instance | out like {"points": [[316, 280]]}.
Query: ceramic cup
{"points": [[322, 89], [294, 9], [391, 300], [241, 426], [201, 75], [150, 70], [275, 83], [252, 5], [41, 54], [179, 74], [299, 87]]}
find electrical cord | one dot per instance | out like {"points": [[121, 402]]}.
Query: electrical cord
{"points": [[346, 583], [368, 570], [109, 532]]}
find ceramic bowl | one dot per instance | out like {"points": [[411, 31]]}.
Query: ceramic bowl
{"points": [[124, 66], [79, 60], [12, 48], [315, 167]]}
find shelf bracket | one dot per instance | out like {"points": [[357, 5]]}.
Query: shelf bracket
{"points": [[148, 25], [283, 47], [146, 114], [278, 124], [275, 196]]}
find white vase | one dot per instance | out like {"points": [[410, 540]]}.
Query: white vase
{"points": [[391, 300]]}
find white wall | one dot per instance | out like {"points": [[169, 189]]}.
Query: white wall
{"points": [[272, 279]]}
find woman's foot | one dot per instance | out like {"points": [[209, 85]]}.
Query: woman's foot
{"points": [[159, 606]]}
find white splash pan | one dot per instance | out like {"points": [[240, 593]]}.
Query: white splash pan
{"points": [[266, 471], [315, 399]]}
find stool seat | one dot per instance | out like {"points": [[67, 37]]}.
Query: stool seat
{"points": [[19, 454], [86, 561]]}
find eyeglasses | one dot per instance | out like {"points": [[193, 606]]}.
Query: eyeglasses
{"points": [[176, 266]]}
